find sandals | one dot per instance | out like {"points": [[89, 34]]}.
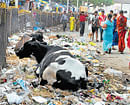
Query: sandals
{"points": [[97, 40], [109, 51], [121, 53], [114, 49]]}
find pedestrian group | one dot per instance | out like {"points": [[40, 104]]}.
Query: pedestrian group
{"points": [[113, 28]]}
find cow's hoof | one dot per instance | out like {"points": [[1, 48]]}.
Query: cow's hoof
{"points": [[34, 84]]}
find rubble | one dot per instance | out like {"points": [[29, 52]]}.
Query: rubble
{"points": [[17, 84]]}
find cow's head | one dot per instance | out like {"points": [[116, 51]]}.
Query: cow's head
{"points": [[32, 47], [37, 36], [26, 50], [23, 40]]}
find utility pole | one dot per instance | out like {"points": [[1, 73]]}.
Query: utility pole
{"points": [[49, 1], [16, 3], [77, 5], [121, 6], [67, 6]]}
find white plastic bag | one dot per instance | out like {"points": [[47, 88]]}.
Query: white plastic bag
{"points": [[113, 72]]}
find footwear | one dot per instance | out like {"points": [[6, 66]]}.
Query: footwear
{"points": [[109, 51], [97, 40], [121, 53], [106, 52], [114, 49]]}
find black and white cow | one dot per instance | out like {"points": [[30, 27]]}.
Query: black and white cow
{"points": [[57, 66]]}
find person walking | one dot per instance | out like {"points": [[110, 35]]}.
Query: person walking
{"points": [[64, 20], [72, 22], [121, 25], [102, 19], [95, 25], [77, 23], [108, 34], [82, 23], [111, 12], [128, 40], [115, 33]]}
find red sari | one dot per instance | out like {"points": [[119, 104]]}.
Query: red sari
{"points": [[128, 43], [121, 24]]}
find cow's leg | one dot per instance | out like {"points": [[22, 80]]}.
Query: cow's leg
{"points": [[43, 82], [86, 70], [83, 83], [65, 82], [37, 71], [49, 74]]}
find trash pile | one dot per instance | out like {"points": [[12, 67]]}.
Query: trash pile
{"points": [[106, 86]]}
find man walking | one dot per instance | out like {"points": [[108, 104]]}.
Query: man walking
{"points": [[64, 20], [102, 19], [111, 12], [121, 26], [95, 25], [82, 23]]}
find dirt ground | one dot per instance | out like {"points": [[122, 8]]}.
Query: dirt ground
{"points": [[115, 60]]}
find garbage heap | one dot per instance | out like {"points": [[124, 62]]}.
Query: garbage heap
{"points": [[106, 86]]}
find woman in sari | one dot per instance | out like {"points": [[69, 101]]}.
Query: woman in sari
{"points": [[121, 25], [115, 33], [128, 40], [72, 22], [108, 34]]}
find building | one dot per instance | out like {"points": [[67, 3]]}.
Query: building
{"points": [[125, 6], [122, 1]]}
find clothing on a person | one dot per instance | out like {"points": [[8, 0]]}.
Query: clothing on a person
{"points": [[128, 41], [64, 17], [64, 20], [102, 19], [101, 33], [64, 25], [77, 24], [108, 35], [94, 29], [121, 43], [95, 24], [72, 23], [82, 18], [115, 34], [121, 24], [82, 27], [82, 24], [95, 21]]}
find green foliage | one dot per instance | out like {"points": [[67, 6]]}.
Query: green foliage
{"points": [[95, 2]]}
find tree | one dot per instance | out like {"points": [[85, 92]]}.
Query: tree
{"points": [[95, 2]]}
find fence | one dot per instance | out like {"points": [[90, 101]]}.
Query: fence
{"points": [[11, 22], [3, 37]]}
